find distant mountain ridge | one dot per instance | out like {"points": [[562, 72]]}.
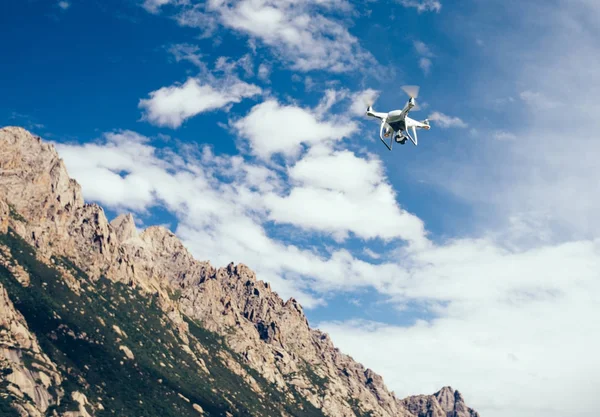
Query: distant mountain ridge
{"points": [[213, 321]]}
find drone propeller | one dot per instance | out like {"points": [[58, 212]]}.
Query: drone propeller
{"points": [[368, 101], [411, 90]]}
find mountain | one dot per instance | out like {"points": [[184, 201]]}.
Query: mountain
{"points": [[97, 319]]}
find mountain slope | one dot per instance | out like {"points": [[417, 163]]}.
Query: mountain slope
{"points": [[134, 325]]}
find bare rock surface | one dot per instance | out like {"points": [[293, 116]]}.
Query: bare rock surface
{"points": [[32, 385]]}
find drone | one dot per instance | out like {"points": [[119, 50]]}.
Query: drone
{"points": [[397, 123]]}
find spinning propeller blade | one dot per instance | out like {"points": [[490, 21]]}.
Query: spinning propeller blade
{"points": [[411, 90], [368, 101]]}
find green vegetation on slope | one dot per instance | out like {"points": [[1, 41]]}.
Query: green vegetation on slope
{"points": [[82, 333], [15, 214]]}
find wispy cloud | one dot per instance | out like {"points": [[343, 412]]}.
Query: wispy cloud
{"points": [[26, 120], [154, 6], [446, 121], [264, 72], [425, 62], [425, 65], [422, 49], [188, 52], [538, 100], [304, 34], [423, 5], [64, 5], [503, 135]]}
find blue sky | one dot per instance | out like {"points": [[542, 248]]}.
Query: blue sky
{"points": [[467, 260]]}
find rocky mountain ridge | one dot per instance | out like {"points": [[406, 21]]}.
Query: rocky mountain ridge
{"points": [[41, 204]]}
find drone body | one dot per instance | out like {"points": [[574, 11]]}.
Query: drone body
{"points": [[397, 123]]}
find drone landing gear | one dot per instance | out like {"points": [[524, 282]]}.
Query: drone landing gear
{"points": [[399, 138], [389, 146]]}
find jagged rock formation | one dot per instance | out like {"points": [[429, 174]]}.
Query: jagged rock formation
{"points": [[444, 403], [263, 334]]}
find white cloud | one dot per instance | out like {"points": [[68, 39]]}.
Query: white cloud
{"points": [[298, 32], [522, 321], [64, 5], [423, 49], [329, 99], [227, 66], [275, 128], [425, 65], [340, 171], [538, 100], [445, 121], [264, 72], [423, 5], [503, 135], [108, 171], [339, 192], [188, 52], [154, 6], [171, 106], [426, 55], [207, 23]]}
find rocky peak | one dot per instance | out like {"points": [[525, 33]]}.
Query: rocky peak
{"points": [[26, 159], [445, 403], [445, 398], [124, 227], [452, 403], [162, 239]]}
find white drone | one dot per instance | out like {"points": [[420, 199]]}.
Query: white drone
{"points": [[397, 123]]}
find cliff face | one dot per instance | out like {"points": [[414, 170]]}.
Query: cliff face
{"points": [[26, 369], [265, 338]]}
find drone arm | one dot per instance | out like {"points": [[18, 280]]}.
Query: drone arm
{"points": [[377, 115]]}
